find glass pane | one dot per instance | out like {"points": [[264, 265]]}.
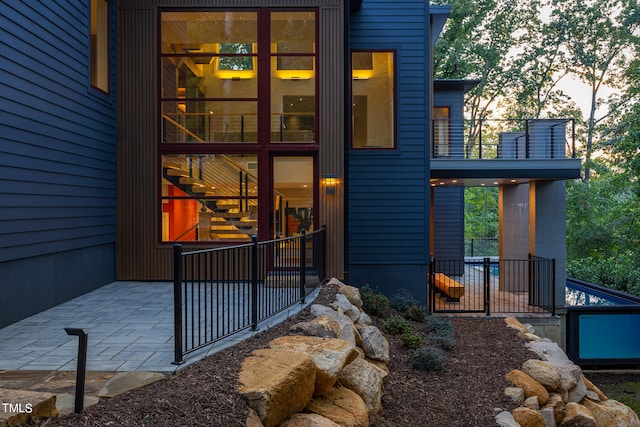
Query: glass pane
{"points": [[293, 191], [100, 44], [182, 77], [293, 106], [196, 32], [209, 121], [209, 197], [293, 32], [373, 101], [441, 131]]}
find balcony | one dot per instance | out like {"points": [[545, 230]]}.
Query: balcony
{"points": [[504, 149]]}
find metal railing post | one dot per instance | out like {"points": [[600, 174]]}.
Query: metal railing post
{"points": [[177, 304], [430, 291], [553, 287], [254, 283], [303, 264], [487, 281], [81, 371]]}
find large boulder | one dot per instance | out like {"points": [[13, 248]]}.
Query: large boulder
{"points": [[612, 413], [366, 380], [374, 344], [276, 383], [353, 295], [527, 417], [530, 386], [577, 393], [543, 372], [505, 419], [330, 355], [342, 406], [576, 415], [344, 305], [348, 331], [570, 373], [308, 420], [321, 326]]}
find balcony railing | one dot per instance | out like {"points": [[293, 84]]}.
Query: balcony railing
{"points": [[503, 139]]}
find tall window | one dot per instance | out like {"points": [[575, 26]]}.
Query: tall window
{"points": [[100, 44], [373, 100], [441, 147], [223, 146]]}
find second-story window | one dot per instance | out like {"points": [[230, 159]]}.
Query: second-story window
{"points": [[373, 100], [100, 45]]}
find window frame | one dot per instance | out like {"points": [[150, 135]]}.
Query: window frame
{"points": [[264, 148], [394, 113], [95, 55]]}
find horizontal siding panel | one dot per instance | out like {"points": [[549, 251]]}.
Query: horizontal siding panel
{"points": [[57, 134]]}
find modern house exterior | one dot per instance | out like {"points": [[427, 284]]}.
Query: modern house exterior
{"points": [[130, 125]]}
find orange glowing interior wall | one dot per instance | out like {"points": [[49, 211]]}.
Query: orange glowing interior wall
{"points": [[182, 215]]}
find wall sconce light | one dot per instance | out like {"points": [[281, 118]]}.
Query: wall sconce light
{"points": [[330, 183]]}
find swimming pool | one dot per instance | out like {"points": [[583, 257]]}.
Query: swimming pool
{"points": [[603, 326], [582, 294]]}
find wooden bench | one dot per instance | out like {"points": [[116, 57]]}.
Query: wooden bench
{"points": [[451, 289]]}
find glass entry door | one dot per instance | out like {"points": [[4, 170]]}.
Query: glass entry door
{"points": [[293, 184]]}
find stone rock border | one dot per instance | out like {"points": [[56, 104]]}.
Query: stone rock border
{"points": [[331, 375], [552, 391]]}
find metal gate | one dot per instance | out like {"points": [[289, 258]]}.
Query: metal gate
{"points": [[492, 285]]}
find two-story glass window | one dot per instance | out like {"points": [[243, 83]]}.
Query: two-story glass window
{"points": [[225, 145], [99, 50], [373, 100]]}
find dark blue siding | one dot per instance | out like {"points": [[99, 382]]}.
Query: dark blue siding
{"points": [[57, 158], [448, 205], [57, 134], [388, 191]]}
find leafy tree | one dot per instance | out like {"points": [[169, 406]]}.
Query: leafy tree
{"points": [[598, 37], [477, 43]]}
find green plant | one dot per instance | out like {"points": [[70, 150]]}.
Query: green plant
{"points": [[439, 326], [403, 300], [373, 303], [446, 343], [397, 325], [427, 358], [412, 339], [415, 313]]}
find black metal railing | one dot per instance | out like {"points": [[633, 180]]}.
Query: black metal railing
{"points": [[219, 292], [503, 139], [481, 246], [491, 285]]}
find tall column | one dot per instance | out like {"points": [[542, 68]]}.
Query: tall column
{"points": [[548, 228], [513, 202]]}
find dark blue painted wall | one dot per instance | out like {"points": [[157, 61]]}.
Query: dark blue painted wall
{"points": [[448, 202], [57, 158], [388, 191]]}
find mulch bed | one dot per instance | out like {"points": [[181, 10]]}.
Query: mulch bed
{"points": [[465, 393]]}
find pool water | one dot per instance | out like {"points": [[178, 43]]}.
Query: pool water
{"points": [[583, 294]]}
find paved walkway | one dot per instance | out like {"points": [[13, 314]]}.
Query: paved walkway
{"points": [[130, 326]]}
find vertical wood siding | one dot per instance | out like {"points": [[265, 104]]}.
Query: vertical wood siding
{"points": [[57, 134], [389, 190], [140, 256]]}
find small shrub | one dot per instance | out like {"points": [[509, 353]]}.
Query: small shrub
{"points": [[446, 343], [415, 313], [397, 325], [427, 358], [412, 339], [403, 300], [439, 326], [373, 303]]}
